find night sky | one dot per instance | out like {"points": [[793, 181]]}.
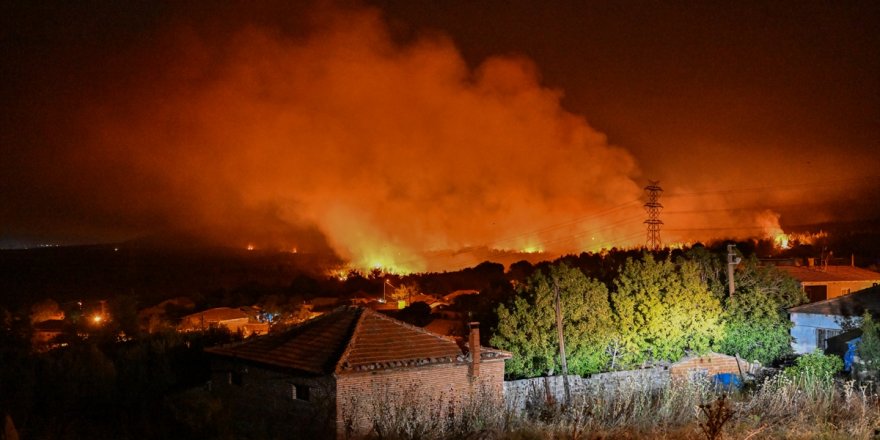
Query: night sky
{"points": [[386, 129]]}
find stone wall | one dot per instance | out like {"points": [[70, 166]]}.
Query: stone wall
{"points": [[519, 393], [263, 402]]}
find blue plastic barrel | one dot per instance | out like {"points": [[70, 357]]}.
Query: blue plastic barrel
{"points": [[727, 380]]}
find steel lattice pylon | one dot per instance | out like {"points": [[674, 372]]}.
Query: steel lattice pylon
{"points": [[653, 207]]}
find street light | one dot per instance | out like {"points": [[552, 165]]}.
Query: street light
{"points": [[384, 282]]}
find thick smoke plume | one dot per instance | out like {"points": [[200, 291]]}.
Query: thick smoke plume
{"points": [[342, 137]]}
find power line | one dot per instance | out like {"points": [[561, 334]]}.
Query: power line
{"points": [[736, 228], [629, 204], [572, 238], [824, 184]]}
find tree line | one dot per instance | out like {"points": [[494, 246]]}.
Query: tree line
{"points": [[652, 309]]}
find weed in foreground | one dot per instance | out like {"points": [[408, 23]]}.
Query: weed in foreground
{"points": [[717, 414]]}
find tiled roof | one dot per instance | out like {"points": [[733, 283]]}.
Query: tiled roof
{"points": [[451, 296], [217, 314], [854, 304], [50, 325], [351, 339], [807, 274]]}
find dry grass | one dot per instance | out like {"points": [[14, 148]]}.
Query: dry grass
{"points": [[780, 407]]}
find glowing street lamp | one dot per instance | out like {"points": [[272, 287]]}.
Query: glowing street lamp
{"points": [[384, 283]]}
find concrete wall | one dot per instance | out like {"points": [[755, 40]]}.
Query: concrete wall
{"points": [[805, 329]]}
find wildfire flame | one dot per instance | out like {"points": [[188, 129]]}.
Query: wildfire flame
{"points": [[769, 222]]}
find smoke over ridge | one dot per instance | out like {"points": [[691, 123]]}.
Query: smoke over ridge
{"points": [[342, 137]]}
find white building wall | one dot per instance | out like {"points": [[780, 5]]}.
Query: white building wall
{"points": [[804, 332]]}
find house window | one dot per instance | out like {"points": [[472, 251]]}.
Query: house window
{"points": [[844, 291], [300, 392], [816, 293], [236, 377], [822, 335]]}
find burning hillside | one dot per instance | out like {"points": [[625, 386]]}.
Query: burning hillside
{"points": [[344, 138], [327, 130]]}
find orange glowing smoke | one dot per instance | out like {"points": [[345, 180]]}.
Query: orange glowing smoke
{"points": [[381, 150], [769, 221]]}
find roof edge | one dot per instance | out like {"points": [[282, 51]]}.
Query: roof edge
{"points": [[337, 367]]}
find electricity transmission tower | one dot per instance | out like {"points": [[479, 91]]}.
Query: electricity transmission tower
{"points": [[653, 207]]}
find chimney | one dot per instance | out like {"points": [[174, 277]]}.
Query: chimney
{"points": [[474, 346]]}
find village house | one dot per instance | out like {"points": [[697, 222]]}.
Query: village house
{"points": [[322, 303], [45, 332], [450, 298], [821, 282], [336, 374], [157, 318], [233, 319], [815, 323]]}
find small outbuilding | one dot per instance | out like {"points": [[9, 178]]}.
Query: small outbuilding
{"points": [[708, 365], [235, 320], [815, 323]]}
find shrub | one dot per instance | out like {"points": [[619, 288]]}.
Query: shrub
{"points": [[815, 366], [869, 346]]}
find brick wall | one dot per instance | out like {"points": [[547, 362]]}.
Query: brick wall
{"points": [[364, 399], [710, 365]]}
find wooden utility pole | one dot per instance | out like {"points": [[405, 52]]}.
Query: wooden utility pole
{"points": [[561, 341], [732, 262]]}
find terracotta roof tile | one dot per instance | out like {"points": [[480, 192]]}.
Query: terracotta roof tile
{"points": [[352, 339], [217, 314], [314, 346], [808, 274]]}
